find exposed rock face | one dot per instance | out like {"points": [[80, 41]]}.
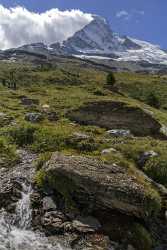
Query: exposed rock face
{"points": [[92, 185], [117, 115], [10, 193]]}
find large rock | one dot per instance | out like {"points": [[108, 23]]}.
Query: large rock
{"points": [[49, 204], [119, 133], [92, 185], [10, 193], [86, 224], [116, 115], [34, 117], [26, 101], [146, 156]]}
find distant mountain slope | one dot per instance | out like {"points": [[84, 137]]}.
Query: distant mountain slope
{"points": [[97, 38], [96, 41]]}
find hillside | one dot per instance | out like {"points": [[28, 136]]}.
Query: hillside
{"points": [[105, 149]]}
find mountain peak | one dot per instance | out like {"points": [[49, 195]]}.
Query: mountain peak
{"points": [[95, 36], [99, 19]]}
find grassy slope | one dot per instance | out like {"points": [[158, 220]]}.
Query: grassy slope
{"points": [[67, 87]]}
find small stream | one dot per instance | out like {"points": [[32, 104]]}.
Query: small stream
{"points": [[16, 232]]}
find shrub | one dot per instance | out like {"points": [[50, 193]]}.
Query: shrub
{"points": [[23, 135], [141, 238], [49, 139], [40, 178], [86, 146], [99, 92], [8, 154], [43, 158], [156, 168], [153, 100], [111, 79]]}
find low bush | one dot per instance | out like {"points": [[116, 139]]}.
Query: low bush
{"points": [[43, 158], [110, 79], [153, 100], [23, 135], [50, 139], [8, 154], [156, 168]]}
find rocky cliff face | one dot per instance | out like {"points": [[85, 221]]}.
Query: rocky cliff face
{"points": [[98, 38]]}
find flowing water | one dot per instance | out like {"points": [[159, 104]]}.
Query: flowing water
{"points": [[16, 233]]}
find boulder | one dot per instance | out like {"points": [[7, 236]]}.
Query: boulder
{"points": [[53, 222], [108, 151], [119, 133], [80, 136], [52, 116], [49, 204], [29, 101], [146, 156], [86, 224], [117, 115], [10, 193], [34, 117], [91, 185]]}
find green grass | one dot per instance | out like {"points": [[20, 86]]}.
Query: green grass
{"points": [[66, 87]]}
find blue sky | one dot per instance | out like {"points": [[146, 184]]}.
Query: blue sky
{"points": [[143, 19]]}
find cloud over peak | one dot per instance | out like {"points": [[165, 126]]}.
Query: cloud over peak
{"points": [[127, 15], [20, 26]]}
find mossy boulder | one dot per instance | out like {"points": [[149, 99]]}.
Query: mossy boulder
{"points": [[88, 185]]}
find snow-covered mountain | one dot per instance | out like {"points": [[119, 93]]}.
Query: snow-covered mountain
{"points": [[97, 41], [98, 38]]}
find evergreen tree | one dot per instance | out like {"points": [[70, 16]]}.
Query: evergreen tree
{"points": [[153, 100], [111, 79]]}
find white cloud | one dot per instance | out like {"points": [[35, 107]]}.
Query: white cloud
{"points": [[122, 13], [129, 15], [19, 26]]}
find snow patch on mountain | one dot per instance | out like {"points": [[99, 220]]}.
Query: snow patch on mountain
{"points": [[148, 52]]}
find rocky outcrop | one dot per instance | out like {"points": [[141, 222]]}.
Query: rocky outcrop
{"points": [[85, 198], [90, 185], [10, 193], [117, 115]]}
